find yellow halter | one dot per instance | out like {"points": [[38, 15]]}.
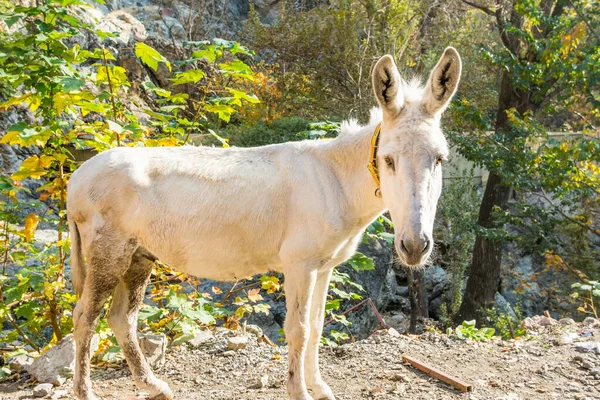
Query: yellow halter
{"points": [[372, 166]]}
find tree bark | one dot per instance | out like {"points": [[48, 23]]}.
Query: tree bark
{"points": [[416, 295], [484, 276]]}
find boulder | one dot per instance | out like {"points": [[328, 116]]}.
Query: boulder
{"points": [[58, 363], [379, 284], [154, 347]]}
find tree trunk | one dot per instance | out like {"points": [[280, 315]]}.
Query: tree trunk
{"points": [[484, 276], [416, 296]]}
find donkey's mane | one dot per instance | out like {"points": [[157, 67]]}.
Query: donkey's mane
{"points": [[412, 90]]}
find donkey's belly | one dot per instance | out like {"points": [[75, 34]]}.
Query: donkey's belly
{"points": [[214, 255]]}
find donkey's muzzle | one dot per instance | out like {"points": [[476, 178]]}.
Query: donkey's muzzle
{"points": [[414, 251]]}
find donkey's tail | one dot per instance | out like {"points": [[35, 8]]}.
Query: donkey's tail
{"points": [[77, 262]]}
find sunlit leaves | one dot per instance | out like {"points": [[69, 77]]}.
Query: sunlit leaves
{"points": [[31, 223], [33, 167], [270, 283], [150, 57], [191, 76]]}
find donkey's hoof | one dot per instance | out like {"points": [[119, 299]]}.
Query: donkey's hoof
{"points": [[322, 392], [164, 393], [85, 395], [163, 396]]}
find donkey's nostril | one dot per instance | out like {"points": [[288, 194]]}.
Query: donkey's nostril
{"points": [[426, 247], [403, 246]]}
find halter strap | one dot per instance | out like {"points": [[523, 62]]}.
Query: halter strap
{"points": [[372, 166]]}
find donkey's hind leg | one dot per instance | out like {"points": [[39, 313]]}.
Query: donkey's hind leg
{"points": [[107, 259], [123, 317]]}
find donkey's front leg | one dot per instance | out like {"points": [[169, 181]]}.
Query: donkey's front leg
{"points": [[299, 285], [320, 390]]}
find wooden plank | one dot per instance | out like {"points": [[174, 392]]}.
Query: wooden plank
{"points": [[449, 379]]}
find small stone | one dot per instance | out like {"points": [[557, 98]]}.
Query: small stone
{"points": [[595, 372], [591, 321], [393, 333], [254, 330], [587, 365], [262, 382], [237, 342], [42, 390], [400, 378], [201, 338], [60, 394], [566, 321], [567, 338], [20, 362], [586, 347], [228, 353]]}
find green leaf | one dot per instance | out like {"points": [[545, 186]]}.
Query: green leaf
{"points": [[222, 110], [360, 262], [238, 94], [191, 76], [149, 56], [10, 20], [70, 84]]}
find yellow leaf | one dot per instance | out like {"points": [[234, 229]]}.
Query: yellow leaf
{"points": [[31, 223], [254, 295], [33, 167], [216, 290]]}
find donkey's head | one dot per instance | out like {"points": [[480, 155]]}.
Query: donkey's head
{"points": [[412, 149]]}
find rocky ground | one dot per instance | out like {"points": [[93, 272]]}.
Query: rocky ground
{"points": [[556, 360]]}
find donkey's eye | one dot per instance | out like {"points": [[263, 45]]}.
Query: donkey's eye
{"points": [[389, 161]]}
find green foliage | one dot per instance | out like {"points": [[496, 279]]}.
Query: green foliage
{"points": [[588, 293], [468, 330], [278, 131], [455, 234], [41, 72], [322, 58], [506, 325]]}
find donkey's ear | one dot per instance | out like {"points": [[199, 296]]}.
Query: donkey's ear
{"points": [[386, 85], [443, 81]]}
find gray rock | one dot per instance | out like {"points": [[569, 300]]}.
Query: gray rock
{"points": [[154, 347], [254, 330], [591, 322], [434, 277], [42, 390], [19, 363], [567, 338], [587, 347], [566, 321], [237, 342], [379, 284], [59, 394], [58, 363], [201, 338], [504, 307], [261, 383]]}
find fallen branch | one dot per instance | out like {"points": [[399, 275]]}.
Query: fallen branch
{"points": [[449, 379]]}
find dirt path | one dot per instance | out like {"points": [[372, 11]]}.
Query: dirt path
{"points": [[532, 369]]}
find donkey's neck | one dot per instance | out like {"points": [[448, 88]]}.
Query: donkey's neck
{"points": [[348, 156]]}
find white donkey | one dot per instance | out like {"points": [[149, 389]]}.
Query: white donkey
{"points": [[299, 208]]}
